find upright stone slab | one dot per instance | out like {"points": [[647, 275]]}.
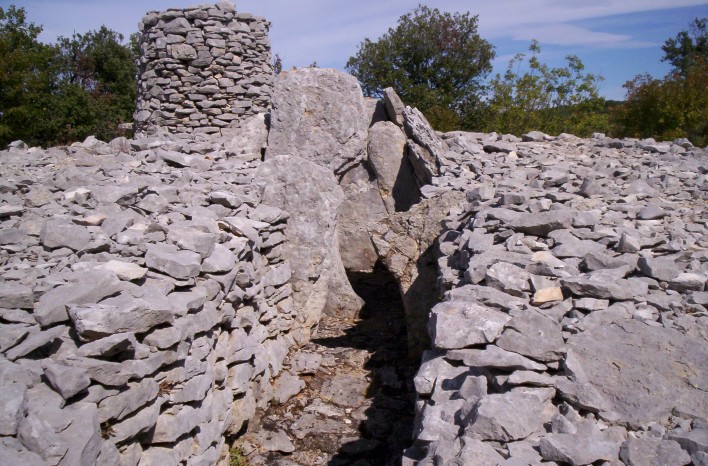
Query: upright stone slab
{"points": [[319, 114], [311, 195]]}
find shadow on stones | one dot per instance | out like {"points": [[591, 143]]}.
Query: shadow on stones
{"points": [[387, 429]]}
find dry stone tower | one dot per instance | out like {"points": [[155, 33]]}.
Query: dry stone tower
{"points": [[202, 68]]}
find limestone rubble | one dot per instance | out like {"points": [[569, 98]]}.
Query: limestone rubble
{"points": [[152, 289]]}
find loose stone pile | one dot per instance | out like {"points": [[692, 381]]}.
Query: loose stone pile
{"points": [[145, 301], [573, 326], [202, 68], [151, 289]]}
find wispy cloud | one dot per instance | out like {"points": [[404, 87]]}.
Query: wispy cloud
{"points": [[569, 34]]}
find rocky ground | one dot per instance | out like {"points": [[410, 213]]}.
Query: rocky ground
{"points": [[573, 328], [356, 406]]}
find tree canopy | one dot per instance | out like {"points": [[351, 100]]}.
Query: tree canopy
{"points": [[688, 48], [677, 105], [435, 61], [552, 100], [62, 92]]}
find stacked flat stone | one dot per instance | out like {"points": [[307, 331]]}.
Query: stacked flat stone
{"points": [[202, 69], [144, 302], [573, 325]]}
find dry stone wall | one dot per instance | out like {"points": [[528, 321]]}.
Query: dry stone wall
{"points": [[202, 69], [144, 299], [573, 326]]}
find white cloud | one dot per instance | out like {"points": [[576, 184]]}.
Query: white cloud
{"points": [[568, 34]]}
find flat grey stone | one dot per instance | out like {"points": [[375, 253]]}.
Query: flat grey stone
{"points": [[693, 441], [112, 345], [648, 451], [273, 440], [220, 260], [94, 321], [457, 324], [67, 380], [136, 396], [651, 212], [16, 295], [344, 390], [172, 261], [13, 407], [38, 436], [36, 341], [13, 452], [508, 278], [83, 434], [532, 334], [577, 450], [686, 282], [493, 356], [63, 233], [306, 363], [287, 386], [642, 371], [662, 269], [508, 416], [125, 270], [542, 223], [87, 288]]}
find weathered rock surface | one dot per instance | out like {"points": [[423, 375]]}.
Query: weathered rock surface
{"points": [[597, 283], [319, 115]]}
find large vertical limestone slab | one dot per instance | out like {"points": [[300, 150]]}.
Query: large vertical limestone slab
{"points": [[320, 115], [313, 198]]}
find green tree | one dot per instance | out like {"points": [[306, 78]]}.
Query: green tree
{"points": [[552, 100], [675, 106], [435, 61], [96, 75], [688, 48], [665, 109], [26, 80]]}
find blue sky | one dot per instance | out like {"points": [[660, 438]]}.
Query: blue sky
{"points": [[616, 38]]}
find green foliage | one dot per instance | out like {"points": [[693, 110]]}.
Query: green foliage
{"points": [[53, 94], [673, 107], [25, 76], [666, 109], [688, 48], [237, 457], [435, 61], [552, 100]]}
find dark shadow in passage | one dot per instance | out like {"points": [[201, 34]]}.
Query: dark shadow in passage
{"points": [[387, 429]]}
